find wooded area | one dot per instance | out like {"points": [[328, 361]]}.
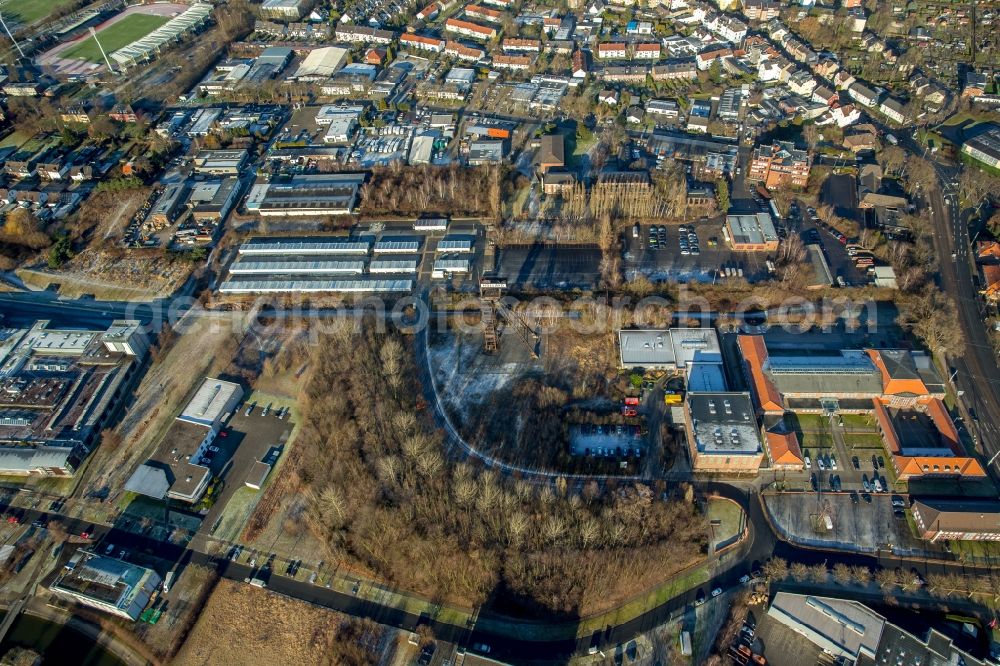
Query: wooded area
{"points": [[382, 496], [421, 190]]}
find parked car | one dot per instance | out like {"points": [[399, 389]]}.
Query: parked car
{"points": [[214, 449], [717, 591], [877, 484], [744, 579], [856, 462]]}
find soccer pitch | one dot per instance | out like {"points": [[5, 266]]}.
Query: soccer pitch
{"points": [[114, 37], [29, 11]]}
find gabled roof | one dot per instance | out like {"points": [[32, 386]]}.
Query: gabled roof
{"points": [[899, 374], [959, 515], [919, 465], [991, 275], [783, 448], [987, 249], [755, 354]]}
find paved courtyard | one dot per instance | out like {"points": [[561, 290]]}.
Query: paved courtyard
{"points": [[862, 526]]}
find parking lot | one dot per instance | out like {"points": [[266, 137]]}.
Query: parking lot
{"points": [[248, 439], [694, 251], [607, 441], [811, 229], [845, 453], [864, 526]]}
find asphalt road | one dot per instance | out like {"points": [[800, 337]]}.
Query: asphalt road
{"points": [[977, 373]]}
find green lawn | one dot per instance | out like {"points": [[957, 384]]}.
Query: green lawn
{"points": [[131, 28], [857, 421], [30, 11], [863, 440], [730, 517]]}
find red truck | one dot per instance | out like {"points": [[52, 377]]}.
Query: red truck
{"points": [[631, 400]]}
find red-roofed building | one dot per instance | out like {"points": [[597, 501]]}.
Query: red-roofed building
{"points": [[484, 13], [924, 441], [612, 51], [991, 281], [421, 42], [765, 396], [784, 451], [375, 56], [470, 29], [429, 12], [647, 51]]}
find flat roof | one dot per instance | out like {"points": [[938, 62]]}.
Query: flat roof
{"points": [[244, 285], [394, 265], [210, 400], [396, 244], [648, 347], [706, 378], [674, 347], [724, 423], [456, 243], [302, 245], [104, 579], [289, 266], [695, 344], [451, 264], [839, 626], [752, 229]]}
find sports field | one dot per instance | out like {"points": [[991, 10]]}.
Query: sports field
{"points": [[115, 36], [29, 11]]}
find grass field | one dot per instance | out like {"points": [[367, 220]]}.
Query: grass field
{"points": [[29, 11], [131, 28]]}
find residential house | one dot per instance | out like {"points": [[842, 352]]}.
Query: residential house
{"points": [[863, 95], [470, 29], [647, 51], [975, 84], [512, 62], [364, 34], [893, 109], [612, 51], [685, 70], [780, 164], [629, 74], [484, 13], [666, 109], [429, 12], [514, 45], [422, 42], [761, 10], [802, 83]]}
